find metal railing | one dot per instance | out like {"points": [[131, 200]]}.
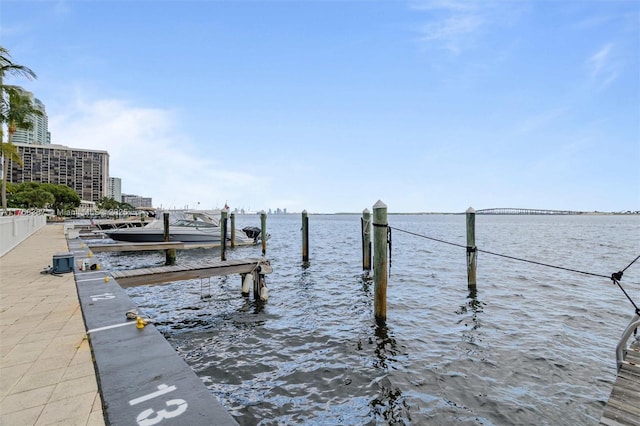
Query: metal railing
{"points": [[622, 345]]}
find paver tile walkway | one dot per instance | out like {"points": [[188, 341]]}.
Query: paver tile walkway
{"points": [[47, 375]]}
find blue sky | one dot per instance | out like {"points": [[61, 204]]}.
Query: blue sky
{"points": [[329, 106]]}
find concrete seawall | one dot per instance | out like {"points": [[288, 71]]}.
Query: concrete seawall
{"points": [[15, 229]]}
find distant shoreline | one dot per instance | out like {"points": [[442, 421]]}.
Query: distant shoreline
{"points": [[628, 213]]}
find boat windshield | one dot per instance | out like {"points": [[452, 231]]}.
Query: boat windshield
{"points": [[193, 224]]}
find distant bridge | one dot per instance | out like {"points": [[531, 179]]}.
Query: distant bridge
{"points": [[509, 210]]}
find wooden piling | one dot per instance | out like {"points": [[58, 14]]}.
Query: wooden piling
{"points": [[169, 254], [305, 236], [233, 229], [366, 239], [223, 234], [472, 250], [263, 224], [380, 228]]}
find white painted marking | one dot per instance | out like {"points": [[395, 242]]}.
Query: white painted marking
{"points": [[143, 418], [162, 389], [109, 327], [104, 296], [90, 279]]}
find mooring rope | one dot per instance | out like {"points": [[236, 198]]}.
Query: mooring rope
{"points": [[389, 245], [615, 277]]}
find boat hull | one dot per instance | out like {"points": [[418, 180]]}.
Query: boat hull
{"points": [[140, 236], [187, 227]]}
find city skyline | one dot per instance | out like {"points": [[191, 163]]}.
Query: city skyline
{"points": [[331, 106]]}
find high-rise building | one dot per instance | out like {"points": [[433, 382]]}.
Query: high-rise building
{"points": [[137, 201], [115, 189], [39, 132], [83, 170]]}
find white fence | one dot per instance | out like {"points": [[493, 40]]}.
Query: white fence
{"points": [[15, 229]]}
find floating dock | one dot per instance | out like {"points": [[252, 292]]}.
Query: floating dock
{"points": [[142, 379], [167, 274], [623, 407]]}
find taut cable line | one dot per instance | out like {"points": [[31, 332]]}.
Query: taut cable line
{"points": [[615, 277]]}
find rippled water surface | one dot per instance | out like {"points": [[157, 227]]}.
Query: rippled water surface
{"points": [[534, 345]]}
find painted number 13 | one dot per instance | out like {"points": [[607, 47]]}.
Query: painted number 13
{"points": [[147, 417]]}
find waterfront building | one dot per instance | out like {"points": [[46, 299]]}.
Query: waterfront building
{"points": [[39, 132], [83, 170], [114, 189], [137, 201]]}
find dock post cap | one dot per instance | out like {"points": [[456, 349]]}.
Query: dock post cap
{"points": [[379, 205], [470, 210], [365, 211], [304, 211]]}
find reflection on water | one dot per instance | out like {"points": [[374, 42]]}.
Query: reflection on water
{"points": [[473, 306], [531, 346], [389, 404], [385, 347]]}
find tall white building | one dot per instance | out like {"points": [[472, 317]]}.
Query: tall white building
{"points": [[114, 189], [39, 132]]}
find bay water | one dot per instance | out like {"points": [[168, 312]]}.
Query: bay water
{"points": [[533, 346]]}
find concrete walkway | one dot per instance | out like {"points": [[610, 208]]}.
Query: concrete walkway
{"points": [[47, 375]]}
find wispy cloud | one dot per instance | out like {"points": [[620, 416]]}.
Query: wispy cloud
{"points": [[455, 5], [602, 66], [452, 32], [62, 8], [541, 121], [150, 154], [455, 25], [594, 22]]}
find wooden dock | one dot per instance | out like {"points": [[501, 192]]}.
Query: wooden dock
{"points": [[167, 274], [623, 407]]}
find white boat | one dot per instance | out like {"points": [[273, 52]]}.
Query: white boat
{"points": [[187, 226]]}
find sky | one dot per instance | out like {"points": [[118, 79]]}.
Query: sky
{"points": [[331, 105]]}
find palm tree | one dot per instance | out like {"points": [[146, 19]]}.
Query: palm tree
{"points": [[9, 152], [18, 116], [8, 67], [6, 94]]}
